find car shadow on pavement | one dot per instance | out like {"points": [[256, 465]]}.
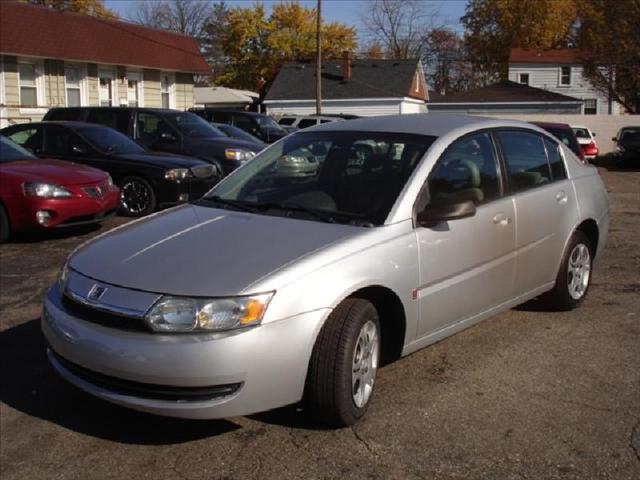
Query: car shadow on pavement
{"points": [[54, 234], [30, 385], [616, 164]]}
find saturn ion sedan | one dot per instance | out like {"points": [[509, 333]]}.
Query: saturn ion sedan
{"points": [[276, 288]]}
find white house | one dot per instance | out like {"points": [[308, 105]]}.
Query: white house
{"points": [[560, 71], [354, 87]]}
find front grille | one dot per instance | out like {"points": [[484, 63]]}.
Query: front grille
{"points": [[97, 191], [204, 171], [148, 390], [106, 319]]}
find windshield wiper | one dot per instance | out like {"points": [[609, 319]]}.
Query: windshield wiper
{"points": [[294, 207], [232, 203]]}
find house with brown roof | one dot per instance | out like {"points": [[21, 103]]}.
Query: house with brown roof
{"points": [[50, 58], [559, 71]]}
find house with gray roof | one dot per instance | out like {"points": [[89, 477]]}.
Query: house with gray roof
{"points": [[505, 97], [350, 87]]}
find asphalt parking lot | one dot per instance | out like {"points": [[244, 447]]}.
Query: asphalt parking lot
{"points": [[525, 394]]}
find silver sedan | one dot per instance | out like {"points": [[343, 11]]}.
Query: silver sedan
{"points": [[277, 288]]}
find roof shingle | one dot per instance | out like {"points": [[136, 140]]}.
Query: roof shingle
{"points": [[506, 91], [369, 79], [43, 32]]}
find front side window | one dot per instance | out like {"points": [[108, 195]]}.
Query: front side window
{"points": [[590, 106], [565, 76], [72, 81], [28, 88], [526, 159], [466, 171], [109, 141], [341, 177], [61, 141]]}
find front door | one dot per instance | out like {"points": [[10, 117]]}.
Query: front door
{"points": [[467, 266]]}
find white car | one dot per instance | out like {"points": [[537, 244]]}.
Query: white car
{"points": [[306, 121], [586, 139]]}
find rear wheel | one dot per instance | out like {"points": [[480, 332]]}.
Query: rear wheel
{"points": [[344, 363], [137, 197], [5, 229], [574, 277]]}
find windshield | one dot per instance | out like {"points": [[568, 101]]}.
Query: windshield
{"points": [[108, 140], [630, 134], [581, 133], [235, 132], [268, 122], [192, 125], [10, 152], [342, 177]]}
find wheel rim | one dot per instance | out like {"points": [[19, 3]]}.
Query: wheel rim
{"points": [[365, 364], [579, 271], [135, 197]]}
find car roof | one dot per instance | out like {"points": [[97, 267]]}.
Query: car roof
{"points": [[553, 125], [122, 109], [434, 124], [65, 123]]}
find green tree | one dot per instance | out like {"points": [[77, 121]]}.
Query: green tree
{"points": [[495, 26], [609, 34], [255, 45], [95, 8]]}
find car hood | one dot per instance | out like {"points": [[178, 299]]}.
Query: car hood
{"points": [[167, 160], [53, 171], [225, 142], [199, 251]]}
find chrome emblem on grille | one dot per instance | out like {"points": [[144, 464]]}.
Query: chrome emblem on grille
{"points": [[96, 292]]}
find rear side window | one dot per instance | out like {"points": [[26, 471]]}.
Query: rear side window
{"points": [[116, 119], [30, 138], [466, 171], [64, 114], [526, 159], [245, 123], [558, 170], [307, 122], [221, 117], [286, 120]]}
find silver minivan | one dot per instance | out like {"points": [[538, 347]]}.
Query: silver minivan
{"points": [[276, 288]]}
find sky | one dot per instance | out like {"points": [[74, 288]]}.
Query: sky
{"points": [[346, 11]]}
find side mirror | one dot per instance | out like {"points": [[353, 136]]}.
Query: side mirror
{"points": [[613, 139], [594, 134], [79, 149], [443, 212]]}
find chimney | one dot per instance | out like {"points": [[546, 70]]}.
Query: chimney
{"points": [[346, 65]]}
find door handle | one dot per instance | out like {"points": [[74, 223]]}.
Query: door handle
{"points": [[561, 197], [501, 219]]}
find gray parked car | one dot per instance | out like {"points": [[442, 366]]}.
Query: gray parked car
{"points": [[278, 286]]}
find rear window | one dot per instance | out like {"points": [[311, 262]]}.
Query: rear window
{"points": [[581, 133], [567, 137], [63, 114]]}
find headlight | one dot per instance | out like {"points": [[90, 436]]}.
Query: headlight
{"points": [[177, 174], [238, 154], [109, 180], [180, 314], [45, 190]]}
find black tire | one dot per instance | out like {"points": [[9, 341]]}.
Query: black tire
{"points": [[561, 297], [137, 197], [5, 227], [329, 390]]}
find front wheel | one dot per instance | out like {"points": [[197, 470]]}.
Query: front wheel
{"points": [[574, 277], [137, 197], [344, 363]]}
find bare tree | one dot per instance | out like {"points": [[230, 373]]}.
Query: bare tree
{"points": [[188, 17], [400, 26]]}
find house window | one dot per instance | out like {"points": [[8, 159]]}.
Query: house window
{"points": [[133, 89], [106, 93], [565, 76], [165, 85], [28, 89], [590, 106], [523, 78], [72, 81]]}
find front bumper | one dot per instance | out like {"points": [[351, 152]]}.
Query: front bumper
{"points": [[175, 193], [266, 365]]}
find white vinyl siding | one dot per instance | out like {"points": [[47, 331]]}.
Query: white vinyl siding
{"points": [[547, 77], [365, 108]]}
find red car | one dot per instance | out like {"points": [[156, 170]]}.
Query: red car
{"points": [[37, 194]]}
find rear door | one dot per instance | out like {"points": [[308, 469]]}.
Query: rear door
{"points": [[467, 266], [545, 205]]}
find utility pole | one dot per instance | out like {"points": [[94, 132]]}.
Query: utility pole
{"points": [[318, 59]]}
